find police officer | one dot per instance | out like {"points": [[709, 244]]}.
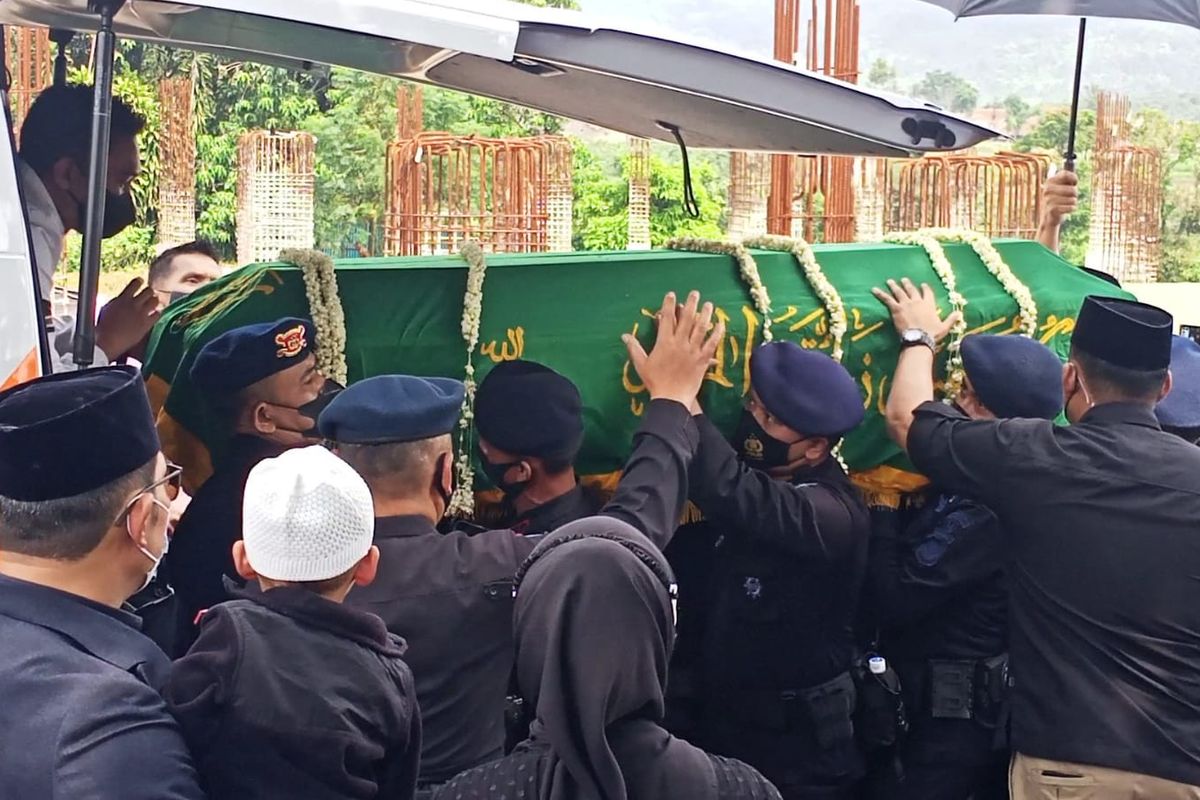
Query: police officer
{"points": [[1101, 518], [786, 571], [1179, 411], [450, 596], [530, 424], [262, 381], [937, 594], [84, 503]]}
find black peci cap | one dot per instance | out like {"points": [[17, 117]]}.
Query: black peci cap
{"points": [[67, 434], [528, 409], [1124, 333]]}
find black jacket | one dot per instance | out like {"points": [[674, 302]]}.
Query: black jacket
{"points": [[201, 549], [287, 694], [80, 712], [450, 596]]}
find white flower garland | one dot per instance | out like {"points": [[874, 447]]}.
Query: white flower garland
{"points": [[803, 252], [462, 503], [995, 264], [955, 373], [325, 307], [747, 267]]}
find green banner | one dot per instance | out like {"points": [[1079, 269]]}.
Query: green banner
{"points": [[568, 310]]}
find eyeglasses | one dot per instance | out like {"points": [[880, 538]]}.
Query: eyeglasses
{"points": [[172, 482]]}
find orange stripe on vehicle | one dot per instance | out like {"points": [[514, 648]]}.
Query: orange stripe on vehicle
{"points": [[29, 368]]}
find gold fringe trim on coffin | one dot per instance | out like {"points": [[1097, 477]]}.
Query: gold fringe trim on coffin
{"points": [[887, 487]]}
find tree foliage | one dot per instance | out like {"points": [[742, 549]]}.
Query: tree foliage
{"points": [[948, 90]]}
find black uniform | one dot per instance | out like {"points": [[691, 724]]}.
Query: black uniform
{"points": [[81, 716], [201, 553], [779, 638], [353, 732], [937, 596], [575, 504], [450, 597], [1102, 522]]}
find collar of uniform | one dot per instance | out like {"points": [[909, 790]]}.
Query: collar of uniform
{"points": [[1121, 413], [403, 527], [828, 471], [336, 618], [555, 513], [107, 633], [245, 448]]}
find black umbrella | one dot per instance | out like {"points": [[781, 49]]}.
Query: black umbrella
{"points": [[1183, 12]]}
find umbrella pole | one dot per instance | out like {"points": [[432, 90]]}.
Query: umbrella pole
{"points": [[1070, 154]]}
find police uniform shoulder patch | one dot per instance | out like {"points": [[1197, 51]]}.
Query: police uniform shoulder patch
{"points": [[291, 342]]}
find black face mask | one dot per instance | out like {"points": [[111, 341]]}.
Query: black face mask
{"points": [[119, 213], [496, 473], [757, 448], [313, 408]]}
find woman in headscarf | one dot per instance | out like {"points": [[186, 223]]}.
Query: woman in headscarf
{"points": [[594, 625]]}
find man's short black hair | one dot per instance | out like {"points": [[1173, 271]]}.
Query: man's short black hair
{"points": [[69, 528], [1132, 384], [59, 125], [161, 267]]}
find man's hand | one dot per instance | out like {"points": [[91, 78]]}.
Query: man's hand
{"points": [[912, 308], [1060, 199], [683, 351], [127, 319]]}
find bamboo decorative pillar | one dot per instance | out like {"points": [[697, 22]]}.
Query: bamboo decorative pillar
{"points": [[749, 185], [31, 66], [276, 187], [177, 170], [560, 195], [639, 194]]}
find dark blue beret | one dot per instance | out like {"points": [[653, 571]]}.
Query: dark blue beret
{"points": [[1124, 333], [528, 409], [393, 408], [1181, 408], [805, 389], [1016, 377], [70, 433], [244, 356]]}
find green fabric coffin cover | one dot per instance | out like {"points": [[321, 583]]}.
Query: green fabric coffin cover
{"points": [[568, 310]]}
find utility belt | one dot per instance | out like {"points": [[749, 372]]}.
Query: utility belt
{"points": [[826, 709], [967, 689]]}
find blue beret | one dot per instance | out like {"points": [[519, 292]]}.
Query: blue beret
{"points": [[1124, 333], [67, 434], [244, 356], [528, 409], [1181, 408], [1014, 376], [393, 408], [807, 390]]}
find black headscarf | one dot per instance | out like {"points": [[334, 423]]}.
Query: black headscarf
{"points": [[594, 630]]}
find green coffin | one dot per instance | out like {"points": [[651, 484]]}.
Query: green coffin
{"points": [[568, 310]]}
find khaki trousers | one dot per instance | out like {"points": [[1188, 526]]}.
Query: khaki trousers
{"points": [[1041, 779]]}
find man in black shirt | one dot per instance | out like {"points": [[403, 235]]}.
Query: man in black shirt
{"points": [[530, 424], [937, 598], [777, 643], [450, 596], [1102, 516]]}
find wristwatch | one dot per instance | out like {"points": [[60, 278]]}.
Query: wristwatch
{"points": [[915, 336]]}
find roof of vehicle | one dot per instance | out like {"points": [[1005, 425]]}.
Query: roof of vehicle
{"points": [[563, 62]]}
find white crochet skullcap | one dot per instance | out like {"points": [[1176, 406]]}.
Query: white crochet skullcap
{"points": [[307, 516]]}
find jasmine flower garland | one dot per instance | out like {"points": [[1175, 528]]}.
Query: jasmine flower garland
{"points": [[325, 307], [955, 374], [747, 267], [802, 251], [462, 503]]}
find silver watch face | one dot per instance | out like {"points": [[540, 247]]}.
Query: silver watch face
{"points": [[913, 335]]}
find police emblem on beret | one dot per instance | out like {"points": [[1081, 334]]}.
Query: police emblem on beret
{"points": [[752, 447], [291, 342]]}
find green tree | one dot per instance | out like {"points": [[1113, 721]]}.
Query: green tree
{"points": [[948, 90], [882, 75], [1018, 111]]}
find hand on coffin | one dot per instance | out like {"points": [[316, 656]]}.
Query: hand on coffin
{"points": [[915, 309], [127, 319], [683, 351]]}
